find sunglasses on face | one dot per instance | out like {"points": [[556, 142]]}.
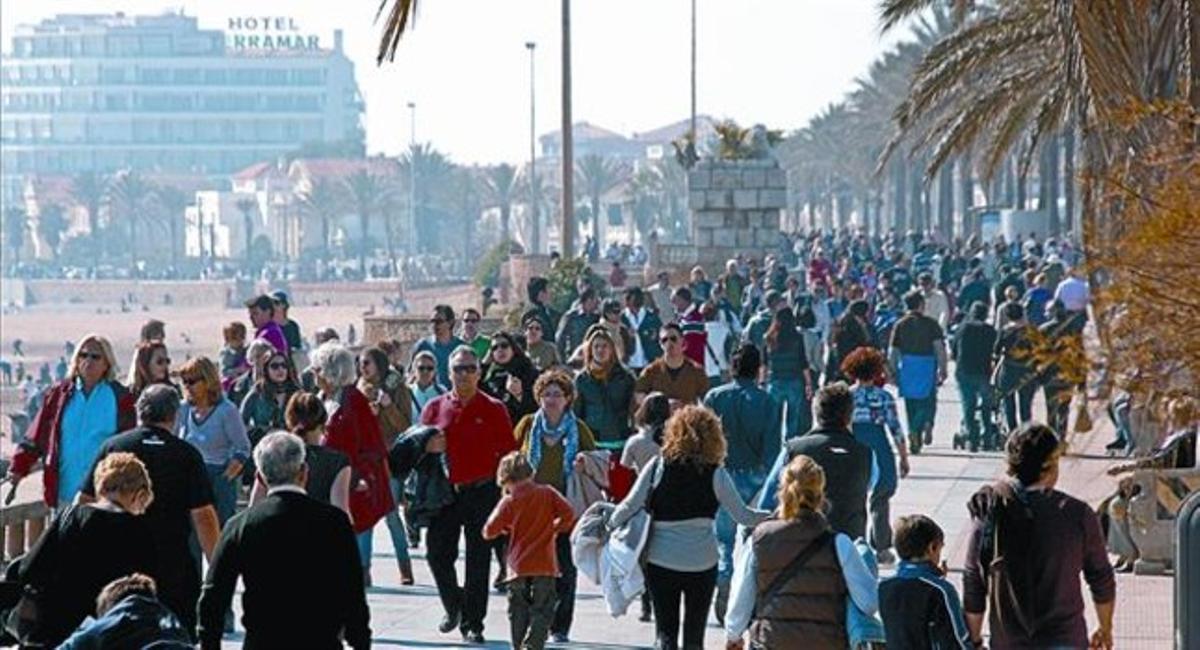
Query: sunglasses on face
{"points": [[91, 356], [424, 368], [278, 366], [465, 370], [668, 339], [501, 346]]}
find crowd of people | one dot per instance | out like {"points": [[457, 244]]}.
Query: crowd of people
{"points": [[763, 400]]}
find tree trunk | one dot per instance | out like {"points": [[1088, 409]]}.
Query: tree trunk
{"points": [[864, 203], [248, 224], [362, 243], [1022, 183], [945, 207], [1050, 177], [325, 240], [596, 225], [133, 243], [391, 249], [1068, 178], [900, 194], [174, 228], [916, 206], [505, 216], [966, 195], [1010, 183]]}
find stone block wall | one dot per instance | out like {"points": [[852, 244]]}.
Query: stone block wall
{"points": [[736, 207]]}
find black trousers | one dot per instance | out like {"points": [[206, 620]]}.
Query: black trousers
{"points": [[667, 589], [530, 611], [564, 586], [466, 517]]}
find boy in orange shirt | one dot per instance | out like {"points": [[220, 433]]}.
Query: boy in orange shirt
{"points": [[532, 515]]}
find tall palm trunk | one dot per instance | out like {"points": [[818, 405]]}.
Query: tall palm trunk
{"points": [[916, 206], [1068, 177], [363, 222], [1021, 176], [1050, 176], [325, 238], [133, 247], [596, 224], [248, 226], [899, 193], [966, 194], [505, 217], [945, 206]]}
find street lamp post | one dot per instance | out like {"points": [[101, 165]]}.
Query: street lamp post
{"points": [[693, 120], [568, 144], [412, 179], [536, 239]]}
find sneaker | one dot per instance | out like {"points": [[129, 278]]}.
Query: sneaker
{"points": [[474, 637], [885, 557], [929, 436], [450, 622], [559, 637]]}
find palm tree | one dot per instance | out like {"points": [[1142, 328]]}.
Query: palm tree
{"points": [[433, 171], [368, 193], [646, 189], [399, 17], [247, 206], [16, 222], [501, 183], [131, 197], [539, 200], [88, 190], [51, 224], [597, 175], [322, 201], [172, 201]]}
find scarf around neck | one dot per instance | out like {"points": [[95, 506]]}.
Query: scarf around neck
{"points": [[566, 434]]}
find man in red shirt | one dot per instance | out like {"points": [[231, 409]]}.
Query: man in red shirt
{"points": [[478, 433], [691, 321]]}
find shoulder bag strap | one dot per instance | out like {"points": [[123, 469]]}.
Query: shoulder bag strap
{"points": [[792, 569]]}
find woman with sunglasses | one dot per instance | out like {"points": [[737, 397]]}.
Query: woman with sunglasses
{"points": [[264, 408], [423, 385], [77, 415], [541, 352], [508, 375], [212, 424], [151, 365]]}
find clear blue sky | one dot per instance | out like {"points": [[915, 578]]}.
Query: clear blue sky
{"points": [[465, 64]]}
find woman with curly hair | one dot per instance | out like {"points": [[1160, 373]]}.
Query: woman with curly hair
{"points": [[683, 491], [874, 418]]}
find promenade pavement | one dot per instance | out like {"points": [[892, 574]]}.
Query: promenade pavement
{"points": [[941, 481]]}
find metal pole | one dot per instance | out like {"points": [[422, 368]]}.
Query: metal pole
{"points": [[536, 239], [412, 180], [568, 145]]}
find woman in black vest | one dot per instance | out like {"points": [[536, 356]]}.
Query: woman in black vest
{"points": [[791, 581], [682, 490]]}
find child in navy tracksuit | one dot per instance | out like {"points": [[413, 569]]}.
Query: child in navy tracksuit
{"points": [[920, 609]]}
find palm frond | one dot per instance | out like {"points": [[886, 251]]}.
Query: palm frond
{"points": [[401, 14]]}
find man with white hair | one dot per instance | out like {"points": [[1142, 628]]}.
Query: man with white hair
{"points": [[298, 561]]}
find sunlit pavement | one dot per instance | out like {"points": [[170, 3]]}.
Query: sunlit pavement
{"points": [[940, 483]]}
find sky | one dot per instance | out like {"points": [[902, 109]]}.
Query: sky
{"points": [[465, 65]]}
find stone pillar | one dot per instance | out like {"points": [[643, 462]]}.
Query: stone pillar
{"points": [[736, 206]]}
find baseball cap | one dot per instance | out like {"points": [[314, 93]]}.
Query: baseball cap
{"points": [[281, 297]]}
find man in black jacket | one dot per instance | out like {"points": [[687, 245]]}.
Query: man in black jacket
{"points": [[849, 464], [298, 560], [973, 345]]}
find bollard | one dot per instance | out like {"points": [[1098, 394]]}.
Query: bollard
{"points": [[1187, 574]]}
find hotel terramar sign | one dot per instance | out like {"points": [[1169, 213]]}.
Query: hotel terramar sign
{"points": [[269, 33]]}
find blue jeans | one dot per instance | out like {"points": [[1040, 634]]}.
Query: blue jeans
{"points": [[797, 409], [225, 492], [975, 391], [748, 482], [395, 528]]}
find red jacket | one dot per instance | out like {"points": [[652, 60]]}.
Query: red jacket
{"points": [[354, 430], [46, 431]]}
